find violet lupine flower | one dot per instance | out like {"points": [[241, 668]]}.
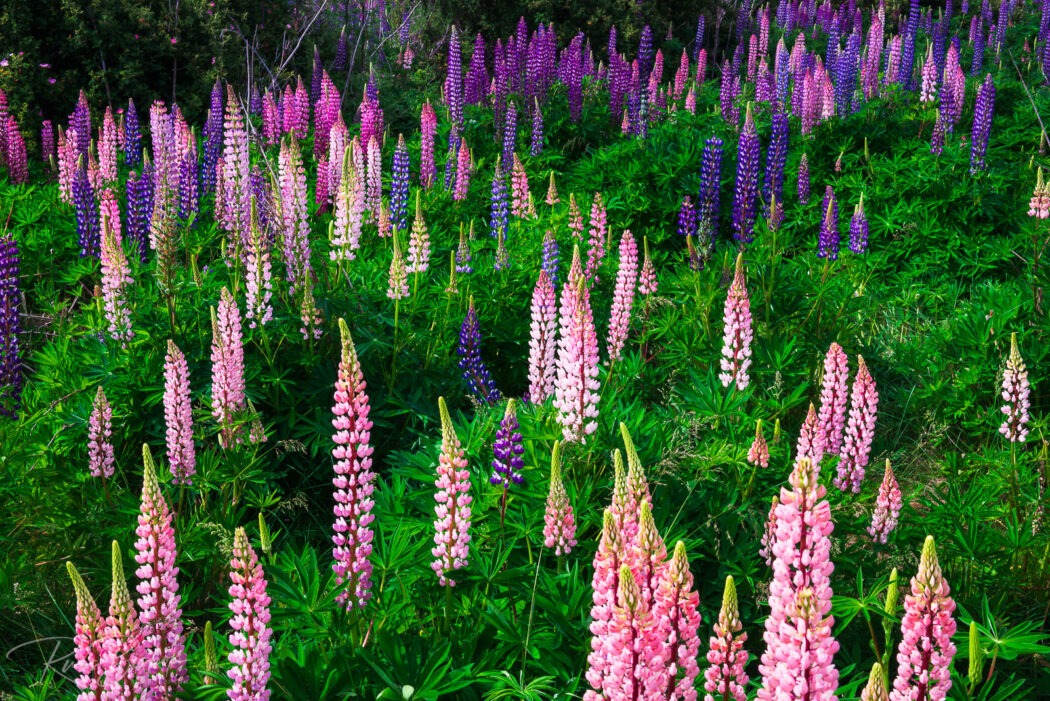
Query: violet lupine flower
{"points": [[10, 301], [227, 370], [115, 274], [924, 659], [887, 507], [427, 130], [687, 217], [550, 256], [677, 627], [454, 83], [559, 522], [542, 342], [737, 335], [397, 278], [463, 172], [463, 256], [510, 132], [508, 450], [982, 123], [475, 373], [623, 297], [163, 658], [178, 416], [828, 240], [608, 559], [87, 641], [399, 186], [132, 136], [140, 209], [799, 641], [498, 218], [353, 479], [708, 197], [859, 229], [121, 640], [47, 141], [647, 282], [536, 138], [452, 525], [476, 87], [864, 404], [726, 679], [777, 156], [213, 138], [418, 242], [100, 430], [576, 392], [250, 633], [834, 398], [1015, 394], [803, 180], [597, 232], [746, 194], [758, 453], [86, 212]]}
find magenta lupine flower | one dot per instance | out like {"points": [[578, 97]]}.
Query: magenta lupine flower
{"points": [[647, 278], [1016, 391], [227, 369], [418, 242], [737, 335], [887, 507], [121, 640], [864, 404], [116, 275], [811, 441], [234, 174], [924, 659], [875, 689], [576, 391], [353, 479], [677, 633], [559, 522], [575, 218], [397, 279], [87, 641], [623, 296], [604, 585], [798, 662], [250, 634], [452, 525], [427, 130], [178, 416], [163, 659], [598, 230], [463, 172], [100, 428], [725, 679], [373, 177], [834, 398], [542, 342], [758, 454]]}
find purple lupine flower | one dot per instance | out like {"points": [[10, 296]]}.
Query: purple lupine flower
{"points": [[860, 430], [536, 140], [399, 186], [47, 140], [858, 229], [132, 136], [510, 131], [213, 138], [698, 41], [474, 371], [708, 198], [982, 123], [17, 165], [803, 180], [828, 241], [140, 208], [687, 217], [454, 83], [250, 634], [500, 212], [542, 341], [550, 256], [10, 327], [100, 431], [86, 212], [776, 156], [746, 193], [477, 84], [887, 507], [508, 450]]}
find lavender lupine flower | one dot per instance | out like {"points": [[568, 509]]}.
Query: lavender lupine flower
{"points": [[227, 371], [397, 278], [726, 679], [758, 453], [887, 507], [559, 522], [864, 404], [746, 193], [427, 130], [498, 219], [115, 274], [982, 123], [1015, 393], [418, 242], [100, 430], [550, 256], [399, 186], [597, 232], [510, 131], [508, 449], [475, 373], [163, 659], [834, 398], [924, 659], [454, 83], [132, 136], [251, 633], [536, 139], [476, 87], [828, 240], [86, 212], [353, 479], [542, 342], [87, 641], [463, 256], [10, 327], [803, 180], [623, 297], [647, 282], [452, 525], [737, 335], [140, 209], [859, 229], [121, 640], [576, 393], [178, 416], [708, 197]]}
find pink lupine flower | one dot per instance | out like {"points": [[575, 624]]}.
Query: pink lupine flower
{"points": [[810, 441], [1038, 206], [397, 279], [116, 275], [234, 174], [798, 662], [725, 679], [604, 585], [100, 428], [875, 689], [649, 559], [309, 317], [418, 242], [163, 657], [121, 640], [519, 188], [349, 204], [452, 525], [737, 336], [227, 369], [250, 634], [758, 454], [623, 296], [559, 523], [463, 172], [107, 149], [647, 278], [598, 230], [576, 391], [543, 340], [924, 659], [633, 651], [552, 192], [1016, 391], [575, 218], [834, 398], [769, 534], [259, 276], [681, 76], [677, 631], [353, 479], [635, 488], [178, 416], [860, 430], [887, 507], [373, 177], [87, 641], [690, 100]]}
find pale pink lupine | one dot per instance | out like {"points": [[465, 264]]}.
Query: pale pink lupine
{"points": [[397, 279], [647, 278], [677, 631], [648, 560], [349, 204], [608, 560], [627, 507], [559, 523], [552, 192], [1015, 394], [758, 453], [798, 661], [543, 340], [163, 658], [769, 533], [623, 296], [178, 416], [924, 658], [234, 174], [100, 429], [576, 391], [597, 231], [887, 507], [418, 242], [810, 440], [463, 172], [309, 316], [228, 400], [250, 634], [116, 275], [834, 398], [575, 218], [295, 227], [737, 336], [107, 149], [121, 640], [519, 188], [427, 130], [259, 276], [725, 679], [864, 404], [87, 641], [1038, 205], [452, 525], [373, 177], [353, 479], [875, 689]]}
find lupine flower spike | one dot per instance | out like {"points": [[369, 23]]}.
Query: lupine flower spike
{"points": [[1039, 205], [508, 450], [875, 690], [178, 416], [737, 336], [604, 585], [677, 634], [647, 284], [100, 429], [623, 296], [576, 392], [559, 523], [87, 641], [834, 398], [1016, 391], [452, 525], [543, 340], [251, 633], [758, 454], [726, 679], [121, 640], [475, 373], [552, 192], [227, 358], [860, 430], [887, 507]]}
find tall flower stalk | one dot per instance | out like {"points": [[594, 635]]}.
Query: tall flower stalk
{"points": [[542, 340], [887, 507], [856, 448], [250, 631], [87, 640], [623, 296], [576, 388], [228, 400], [737, 335], [1015, 393], [726, 679], [121, 640], [559, 523], [452, 525], [475, 373], [100, 430], [178, 416]]}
